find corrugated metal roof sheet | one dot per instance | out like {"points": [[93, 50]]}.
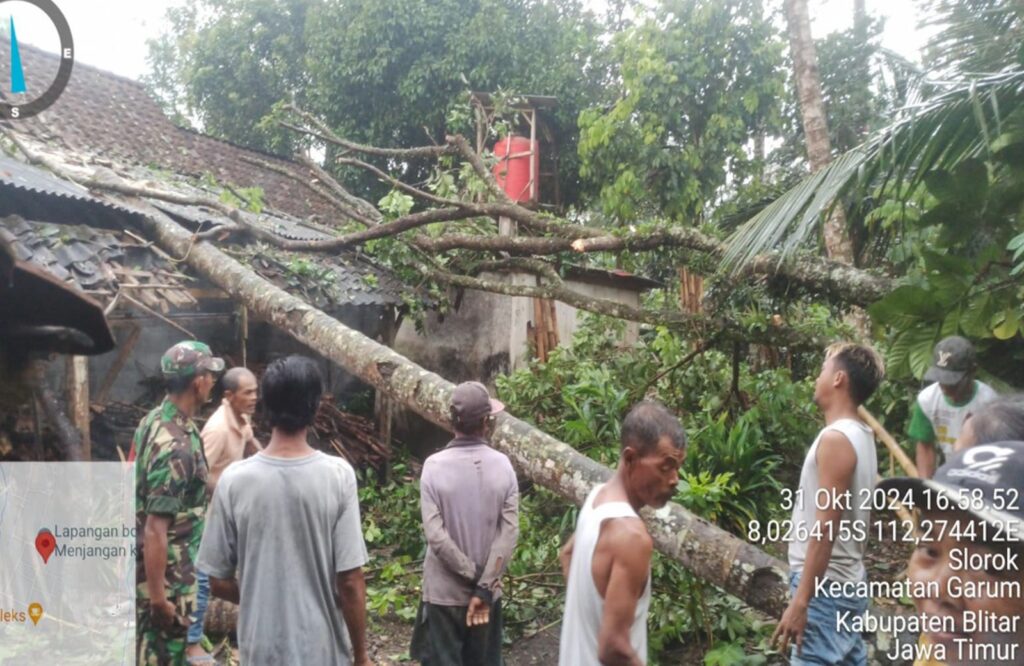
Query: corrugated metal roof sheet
{"points": [[340, 279], [22, 176], [324, 281], [288, 228]]}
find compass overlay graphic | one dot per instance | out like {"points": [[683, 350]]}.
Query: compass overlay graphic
{"points": [[18, 99]]}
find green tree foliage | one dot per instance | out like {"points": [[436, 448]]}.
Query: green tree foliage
{"points": [[962, 256], [741, 438], [698, 81], [385, 73], [974, 36], [226, 64], [743, 447]]}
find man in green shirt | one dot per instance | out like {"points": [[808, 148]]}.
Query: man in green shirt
{"points": [[170, 505], [942, 407]]}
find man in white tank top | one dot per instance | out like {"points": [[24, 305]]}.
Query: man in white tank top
{"points": [[607, 562], [831, 514]]}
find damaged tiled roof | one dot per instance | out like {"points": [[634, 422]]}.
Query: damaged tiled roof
{"points": [[99, 262], [345, 278], [114, 118], [324, 282]]}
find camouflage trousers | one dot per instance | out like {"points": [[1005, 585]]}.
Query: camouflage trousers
{"points": [[162, 647]]}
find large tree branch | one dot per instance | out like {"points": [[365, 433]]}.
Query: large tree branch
{"points": [[833, 279], [459, 143], [455, 145], [696, 326], [829, 278], [326, 134], [559, 292], [711, 553], [367, 209], [397, 184], [836, 279], [404, 223], [348, 204]]}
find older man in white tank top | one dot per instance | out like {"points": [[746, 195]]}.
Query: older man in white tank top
{"points": [[831, 514], [608, 559]]}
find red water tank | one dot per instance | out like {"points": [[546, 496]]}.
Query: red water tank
{"points": [[513, 168]]}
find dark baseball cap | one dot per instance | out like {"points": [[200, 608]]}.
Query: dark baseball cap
{"points": [[189, 357], [952, 359], [471, 401], [985, 481]]}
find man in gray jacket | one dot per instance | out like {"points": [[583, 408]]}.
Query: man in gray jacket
{"points": [[469, 497]]}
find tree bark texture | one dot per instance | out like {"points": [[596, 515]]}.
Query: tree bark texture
{"points": [[708, 551], [815, 120]]}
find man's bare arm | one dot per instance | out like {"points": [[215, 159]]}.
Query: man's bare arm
{"points": [[154, 552], [565, 556], [226, 589], [836, 461], [352, 593], [925, 460], [630, 547]]}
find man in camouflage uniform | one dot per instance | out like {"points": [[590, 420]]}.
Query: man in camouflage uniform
{"points": [[170, 500]]}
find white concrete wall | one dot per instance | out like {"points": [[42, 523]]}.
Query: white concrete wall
{"points": [[568, 318], [488, 334]]}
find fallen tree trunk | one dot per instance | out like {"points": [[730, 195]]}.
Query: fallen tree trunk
{"points": [[708, 551]]}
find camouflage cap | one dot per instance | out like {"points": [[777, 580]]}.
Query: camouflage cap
{"points": [[189, 357]]}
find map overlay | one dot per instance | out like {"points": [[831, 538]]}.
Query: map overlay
{"points": [[67, 563]]}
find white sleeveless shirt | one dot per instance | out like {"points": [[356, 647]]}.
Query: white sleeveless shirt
{"points": [[584, 607], [847, 560]]}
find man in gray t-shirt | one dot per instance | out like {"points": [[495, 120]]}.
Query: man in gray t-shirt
{"points": [[286, 523]]}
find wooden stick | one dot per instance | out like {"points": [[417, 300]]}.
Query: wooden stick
{"points": [[895, 505], [554, 324], [78, 400], [894, 451], [539, 330], [894, 448], [244, 325], [145, 308], [118, 365]]}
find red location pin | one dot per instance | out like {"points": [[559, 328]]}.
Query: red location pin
{"points": [[45, 544]]}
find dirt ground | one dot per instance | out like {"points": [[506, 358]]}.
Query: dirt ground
{"points": [[389, 646]]}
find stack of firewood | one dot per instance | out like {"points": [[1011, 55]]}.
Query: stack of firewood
{"points": [[350, 436]]}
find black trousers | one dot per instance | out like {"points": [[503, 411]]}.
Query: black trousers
{"points": [[441, 637]]}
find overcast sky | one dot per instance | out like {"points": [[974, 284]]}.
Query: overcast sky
{"points": [[112, 34]]}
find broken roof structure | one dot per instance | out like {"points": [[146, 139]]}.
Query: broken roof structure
{"points": [[109, 130], [111, 118], [107, 120], [85, 239]]}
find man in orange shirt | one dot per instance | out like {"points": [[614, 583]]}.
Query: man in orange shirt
{"points": [[227, 438]]}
